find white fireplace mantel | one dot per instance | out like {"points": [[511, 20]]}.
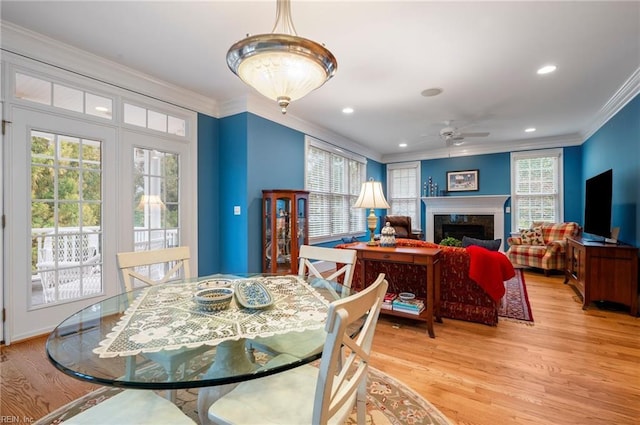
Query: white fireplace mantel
{"points": [[480, 205]]}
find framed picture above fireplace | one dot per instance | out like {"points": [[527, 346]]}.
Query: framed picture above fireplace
{"points": [[462, 181]]}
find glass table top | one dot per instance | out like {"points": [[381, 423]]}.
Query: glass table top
{"points": [[158, 337]]}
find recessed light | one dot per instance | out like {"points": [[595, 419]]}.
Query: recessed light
{"points": [[102, 109], [547, 69], [529, 130], [402, 145], [431, 92], [347, 110]]}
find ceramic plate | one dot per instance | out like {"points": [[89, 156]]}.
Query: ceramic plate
{"points": [[252, 294], [214, 283]]}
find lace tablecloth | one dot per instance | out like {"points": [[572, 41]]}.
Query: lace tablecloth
{"points": [[165, 317]]}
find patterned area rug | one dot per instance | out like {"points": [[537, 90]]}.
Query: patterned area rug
{"points": [[515, 304], [389, 402]]}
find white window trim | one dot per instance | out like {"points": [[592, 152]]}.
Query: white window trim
{"points": [[534, 154], [400, 165]]}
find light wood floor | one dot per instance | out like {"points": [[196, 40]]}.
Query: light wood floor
{"points": [[570, 367]]}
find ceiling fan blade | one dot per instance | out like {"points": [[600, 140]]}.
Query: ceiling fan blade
{"points": [[477, 134]]}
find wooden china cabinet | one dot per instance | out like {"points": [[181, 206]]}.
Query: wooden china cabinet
{"points": [[285, 227]]}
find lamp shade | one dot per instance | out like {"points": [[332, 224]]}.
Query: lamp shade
{"points": [[282, 66], [371, 196], [153, 201]]}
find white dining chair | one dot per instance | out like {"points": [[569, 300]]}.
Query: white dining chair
{"points": [[309, 394], [152, 268], [132, 407], [299, 344]]}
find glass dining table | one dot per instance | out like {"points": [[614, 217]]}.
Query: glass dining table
{"points": [[121, 341]]}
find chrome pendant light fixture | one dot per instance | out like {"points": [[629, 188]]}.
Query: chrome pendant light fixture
{"points": [[282, 66]]}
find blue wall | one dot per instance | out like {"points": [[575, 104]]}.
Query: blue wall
{"points": [[233, 230], [275, 160], [208, 197], [616, 145], [573, 203], [494, 173]]}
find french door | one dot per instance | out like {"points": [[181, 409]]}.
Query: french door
{"points": [[62, 217]]}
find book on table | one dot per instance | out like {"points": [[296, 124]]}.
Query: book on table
{"points": [[415, 306], [388, 300]]}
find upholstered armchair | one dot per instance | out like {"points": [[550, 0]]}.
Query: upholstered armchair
{"points": [[401, 224], [542, 246]]}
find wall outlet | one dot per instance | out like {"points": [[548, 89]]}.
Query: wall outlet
{"points": [[507, 210], [236, 210]]}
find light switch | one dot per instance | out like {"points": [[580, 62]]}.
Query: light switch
{"points": [[236, 210], [507, 210]]}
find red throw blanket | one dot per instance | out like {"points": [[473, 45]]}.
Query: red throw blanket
{"points": [[490, 269]]}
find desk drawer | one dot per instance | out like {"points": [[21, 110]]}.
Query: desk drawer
{"points": [[388, 256]]}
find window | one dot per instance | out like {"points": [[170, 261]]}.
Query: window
{"points": [[156, 187], [333, 178], [45, 92], [403, 190], [153, 120], [66, 214], [536, 187]]}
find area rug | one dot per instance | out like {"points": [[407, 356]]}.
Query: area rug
{"points": [[515, 303], [389, 402]]}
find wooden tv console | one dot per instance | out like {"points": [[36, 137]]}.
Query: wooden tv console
{"points": [[603, 272]]}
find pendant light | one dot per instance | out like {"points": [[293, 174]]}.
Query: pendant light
{"points": [[281, 65]]}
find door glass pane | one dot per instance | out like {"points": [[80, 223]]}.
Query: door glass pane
{"points": [[68, 98], [157, 121], [33, 89], [156, 199], [99, 106], [66, 228]]}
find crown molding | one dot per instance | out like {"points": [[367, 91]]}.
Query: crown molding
{"points": [[262, 107], [35, 46], [624, 95], [566, 140]]}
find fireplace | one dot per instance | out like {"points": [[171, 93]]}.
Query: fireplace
{"points": [[457, 226], [464, 216]]}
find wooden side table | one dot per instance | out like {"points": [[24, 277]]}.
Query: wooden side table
{"points": [[428, 257]]}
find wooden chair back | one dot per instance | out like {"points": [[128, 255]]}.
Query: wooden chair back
{"points": [[177, 259]]}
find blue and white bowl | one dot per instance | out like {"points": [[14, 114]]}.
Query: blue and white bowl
{"points": [[213, 299]]}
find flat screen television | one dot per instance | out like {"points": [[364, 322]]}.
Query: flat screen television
{"points": [[597, 204]]}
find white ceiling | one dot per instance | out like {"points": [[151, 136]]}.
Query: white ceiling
{"points": [[484, 56]]}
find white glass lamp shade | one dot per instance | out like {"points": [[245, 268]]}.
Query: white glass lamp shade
{"points": [[371, 196], [281, 67]]}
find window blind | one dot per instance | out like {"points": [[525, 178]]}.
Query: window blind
{"points": [[333, 179]]}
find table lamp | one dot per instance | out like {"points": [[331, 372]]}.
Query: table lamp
{"points": [[371, 196]]}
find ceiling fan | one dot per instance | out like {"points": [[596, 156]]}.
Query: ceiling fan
{"points": [[453, 136]]}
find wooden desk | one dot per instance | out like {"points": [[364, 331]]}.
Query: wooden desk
{"points": [[428, 257]]}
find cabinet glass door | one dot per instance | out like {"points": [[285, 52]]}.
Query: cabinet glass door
{"points": [[283, 231]]}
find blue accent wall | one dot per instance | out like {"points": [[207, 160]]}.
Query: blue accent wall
{"points": [[494, 177], [616, 145], [233, 229], [275, 160], [208, 195], [572, 165]]}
